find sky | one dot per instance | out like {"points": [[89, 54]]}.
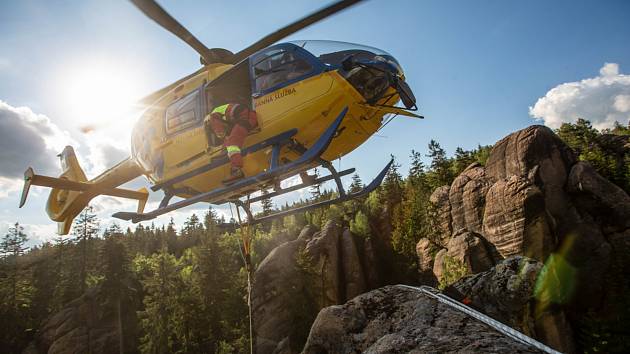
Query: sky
{"points": [[479, 69]]}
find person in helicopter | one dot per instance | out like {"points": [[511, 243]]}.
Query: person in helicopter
{"points": [[232, 123]]}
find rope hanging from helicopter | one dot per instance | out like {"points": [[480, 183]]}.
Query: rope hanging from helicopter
{"points": [[245, 248]]}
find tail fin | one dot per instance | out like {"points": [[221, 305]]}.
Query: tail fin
{"points": [[71, 191]]}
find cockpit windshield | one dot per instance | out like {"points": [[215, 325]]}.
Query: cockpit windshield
{"points": [[332, 53]]}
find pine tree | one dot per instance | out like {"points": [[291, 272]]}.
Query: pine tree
{"points": [[44, 279], [115, 267], [417, 166], [356, 185], [315, 189], [391, 191], [85, 229], [158, 275], [67, 287], [15, 290], [266, 203], [440, 166], [12, 247]]}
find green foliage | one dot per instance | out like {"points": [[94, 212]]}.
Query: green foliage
{"points": [[267, 205], [601, 149], [15, 290], [302, 301], [453, 271], [360, 225], [185, 290]]}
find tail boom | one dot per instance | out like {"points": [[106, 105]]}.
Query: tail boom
{"points": [[71, 191]]}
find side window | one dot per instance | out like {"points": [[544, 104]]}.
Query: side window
{"points": [[277, 67], [182, 113]]}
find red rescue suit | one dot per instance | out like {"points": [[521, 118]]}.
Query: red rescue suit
{"points": [[237, 121]]}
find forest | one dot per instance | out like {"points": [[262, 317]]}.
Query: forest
{"points": [[183, 288]]}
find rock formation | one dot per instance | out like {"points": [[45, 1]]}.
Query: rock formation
{"points": [[299, 277], [88, 324], [398, 320], [507, 293], [533, 198]]}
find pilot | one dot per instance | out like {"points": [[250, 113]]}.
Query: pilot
{"points": [[236, 121]]}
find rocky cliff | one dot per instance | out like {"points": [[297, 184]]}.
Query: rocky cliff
{"points": [[300, 277], [398, 320], [534, 198]]}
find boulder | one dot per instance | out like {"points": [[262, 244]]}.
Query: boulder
{"points": [[515, 219], [425, 251], [471, 250], [507, 294], [439, 264], [400, 320]]}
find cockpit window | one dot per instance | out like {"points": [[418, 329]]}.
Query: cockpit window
{"points": [[183, 113], [277, 67], [332, 53]]}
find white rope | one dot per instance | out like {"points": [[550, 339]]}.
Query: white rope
{"points": [[249, 281], [249, 305], [500, 327]]}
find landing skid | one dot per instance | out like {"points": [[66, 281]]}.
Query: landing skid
{"points": [[275, 172]]}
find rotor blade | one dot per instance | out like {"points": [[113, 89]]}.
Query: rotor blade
{"points": [[162, 18], [292, 28]]}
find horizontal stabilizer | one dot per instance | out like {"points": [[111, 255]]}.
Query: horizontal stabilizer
{"points": [[71, 191], [30, 178]]}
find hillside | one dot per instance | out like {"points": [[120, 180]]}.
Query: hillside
{"points": [[533, 231]]}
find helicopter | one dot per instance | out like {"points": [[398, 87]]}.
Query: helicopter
{"points": [[316, 101]]}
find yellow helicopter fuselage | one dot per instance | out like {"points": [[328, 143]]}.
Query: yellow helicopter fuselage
{"points": [[308, 105], [297, 92]]}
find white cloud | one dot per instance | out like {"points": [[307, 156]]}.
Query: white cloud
{"points": [[28, 139], [602, 100], [37, 233], [102, 154], [609, 69], [9, 186]]}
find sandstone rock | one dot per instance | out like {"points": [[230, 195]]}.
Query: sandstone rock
{"points": [[536, 149], [583, 258], [398, 320], [370, 264], [469, 249], [515, 219], [275, 275], [442, 213], [84, 325], [467, 198], [439, 264], [506, 293], [608, 204], [353, 274], [336, 273], [424, 249], [324, 250]]}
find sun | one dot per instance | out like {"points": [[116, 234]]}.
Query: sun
{"points": [[101, 94]]}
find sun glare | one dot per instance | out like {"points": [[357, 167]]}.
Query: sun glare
{"points": [[101, 96]]}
